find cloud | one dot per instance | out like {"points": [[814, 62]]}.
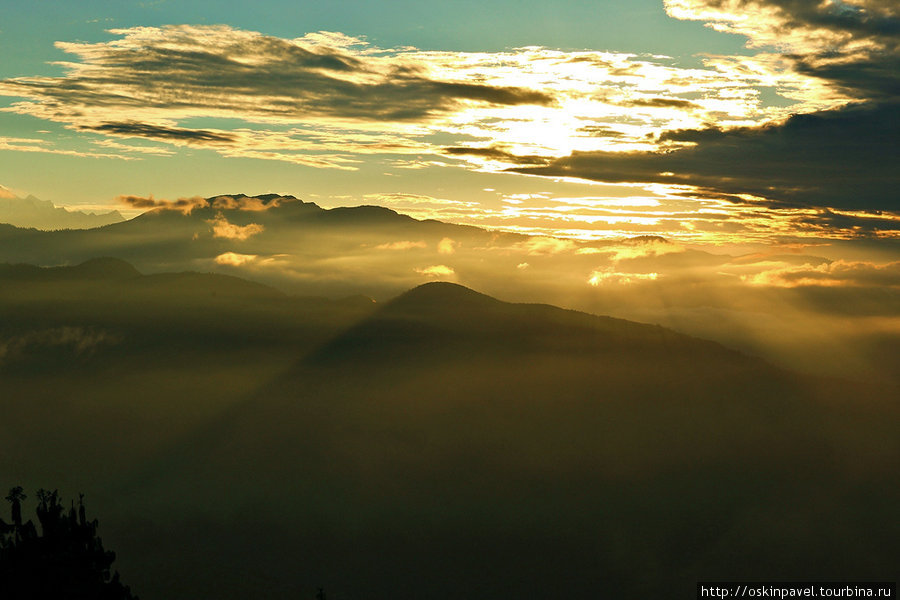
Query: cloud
{"points": [[45, 147], [855, 44], [233, 259], [152, 150], [404, 245], [318, 99], [831, 274], [202, 69], [80, 341], [223, 229], [495, 153], [447, 246], [437, 271], [841, 156], [537, 246], [647, 246], [183, 205], [610, 276], [250, 203], [420, 206], [661, 103], [173, 134], [842, 159]]}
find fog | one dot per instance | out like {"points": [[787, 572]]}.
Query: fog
{"points": [[826, 307], [238, 441]]}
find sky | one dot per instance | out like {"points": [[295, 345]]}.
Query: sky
{"points": [[705, 121]]}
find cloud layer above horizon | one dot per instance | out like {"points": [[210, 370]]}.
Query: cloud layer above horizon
{"points": [[841, 157], [802, 129]]}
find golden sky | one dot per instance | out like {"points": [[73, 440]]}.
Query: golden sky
{"points": [[784, 130]]}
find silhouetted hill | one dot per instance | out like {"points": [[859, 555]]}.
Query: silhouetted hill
{"points": [[95, 268], [438, 297], [243, 443], [449, 322], [104, 268], [132, 282], [453, 444], [104, 308]]}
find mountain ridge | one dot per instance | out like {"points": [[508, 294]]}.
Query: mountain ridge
{"points": [[448, 321], [32, 212]]}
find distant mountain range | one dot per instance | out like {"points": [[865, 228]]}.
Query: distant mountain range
{"points": [[31, 212], [278, 240]]}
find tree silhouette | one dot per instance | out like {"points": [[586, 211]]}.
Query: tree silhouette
{"points": [[15, 497], [66, 561]]}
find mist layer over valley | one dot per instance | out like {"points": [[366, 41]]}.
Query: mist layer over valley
{"points": [[828, 309], [240, 442], [574, 299]]}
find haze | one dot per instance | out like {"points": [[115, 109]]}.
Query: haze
{"points": [[456, 299]]}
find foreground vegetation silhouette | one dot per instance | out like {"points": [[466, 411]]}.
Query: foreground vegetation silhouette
{"points": [[65, 561]]}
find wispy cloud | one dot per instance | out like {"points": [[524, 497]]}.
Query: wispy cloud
{"points": [[440, 271], [45, 147], [837, 273], [855, 44], [79, 341], [339, 96], [183, 205], [822, 155], [402, 245]]}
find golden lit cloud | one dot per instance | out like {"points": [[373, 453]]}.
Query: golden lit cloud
{"points": [[223, 229], [447, 246], [340, 96], [830, 274], [546, 245], [404, 245], [643, 247], [437, 271], [233, 259], [610, 276]]}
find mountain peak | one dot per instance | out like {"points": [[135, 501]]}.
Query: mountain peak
{"points": [[441, 295], [105, 267], [32, 212]]}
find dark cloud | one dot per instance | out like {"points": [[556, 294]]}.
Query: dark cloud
{"points": [[854, 45], [874, 77], [600, 131], [251, 203], [660, 103], [843, 159], [222, 70], [184, 205], [864, 225], [146, 130], [228, 203], [496, 153]]}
